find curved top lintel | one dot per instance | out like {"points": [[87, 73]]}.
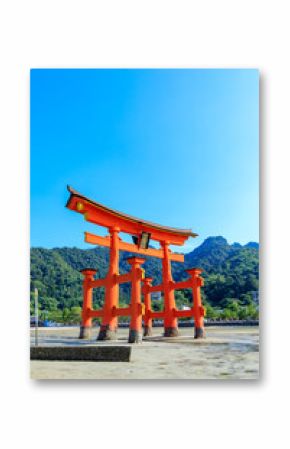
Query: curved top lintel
{"points": [[76, 196]]}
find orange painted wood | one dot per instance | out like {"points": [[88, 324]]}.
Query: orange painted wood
{"points": [[98, 283], [112, 286], [104, 216], [122, 278], [156, 314], [117, 222], [121, 311], [87, 297], [181, 285], [130, 247], [170, 321], [136, 304], [183, 313], [96, 313], [107, 220], [147, 302], [154, 288]]}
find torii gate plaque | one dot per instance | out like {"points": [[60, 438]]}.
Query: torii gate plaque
{"points": [[141, 232]]}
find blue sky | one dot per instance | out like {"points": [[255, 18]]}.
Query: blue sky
{"points": [[178, 147]]}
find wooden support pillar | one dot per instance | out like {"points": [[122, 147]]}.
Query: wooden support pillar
{"points": [[170, 321], [86, 325], [198, 309], [135, 333], [108, 330], [147, 302]]}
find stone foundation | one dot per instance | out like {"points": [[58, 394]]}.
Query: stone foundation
{"points": [[82, 353]]}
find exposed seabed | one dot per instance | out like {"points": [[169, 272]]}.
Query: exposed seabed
{"points": [[226, 353]]}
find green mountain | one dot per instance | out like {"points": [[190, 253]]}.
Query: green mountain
{"points": [[230, 271], [231, 274]]}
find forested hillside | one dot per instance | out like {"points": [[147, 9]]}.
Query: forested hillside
{"points": [[231, 274]]}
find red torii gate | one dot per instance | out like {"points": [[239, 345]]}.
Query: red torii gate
{"points": [[141, 231]]}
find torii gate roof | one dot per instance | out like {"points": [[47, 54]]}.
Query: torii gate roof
{"points": [[104, 216]]}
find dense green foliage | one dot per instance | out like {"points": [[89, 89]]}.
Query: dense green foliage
{"points": [[231, 274]]}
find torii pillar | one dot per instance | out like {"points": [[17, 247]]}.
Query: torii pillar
{"points": [[135, 333], [147, 302], [86, 326], [198, 309], [170, 320], [108, 330]]}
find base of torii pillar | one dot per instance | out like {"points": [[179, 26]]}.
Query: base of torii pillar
{"points": [[106, 333], [147, 331], [171, 332], [135, 336], [199, 332], [85, 332]]}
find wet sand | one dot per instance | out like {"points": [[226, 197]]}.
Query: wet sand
{"points": [[225, 353]]}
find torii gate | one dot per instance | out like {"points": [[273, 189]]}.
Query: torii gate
{"points": [[141, 232]]}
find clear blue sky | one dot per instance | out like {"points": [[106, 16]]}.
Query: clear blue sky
{"points": [[178, 147]]}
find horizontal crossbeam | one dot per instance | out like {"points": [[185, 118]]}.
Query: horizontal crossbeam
{"points": [[183, 313], [177, 313], [98, 283], [153, 288], [122, 311], [181, 285], [123, 278], [131, 248], [96, 313], [155, 314]]}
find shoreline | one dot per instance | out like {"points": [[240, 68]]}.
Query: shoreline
{"points": [[156, 325]]}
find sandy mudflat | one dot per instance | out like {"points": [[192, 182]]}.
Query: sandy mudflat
{"points": [[226, 353]]}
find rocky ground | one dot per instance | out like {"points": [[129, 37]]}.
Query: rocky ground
{"points": [[225, 353]]}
